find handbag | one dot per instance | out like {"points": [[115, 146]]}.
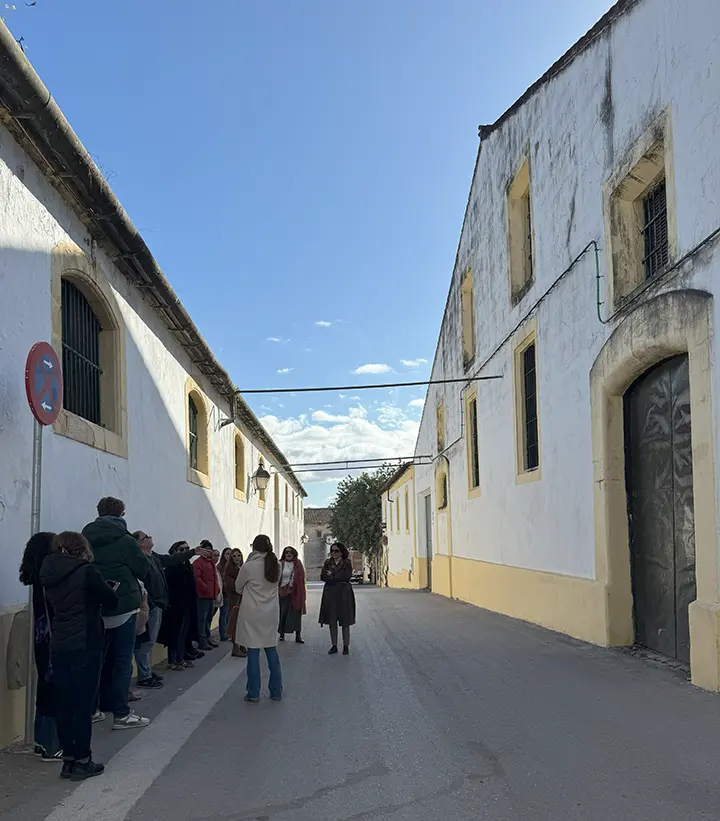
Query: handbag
{"points": [[143, 614], [286, 589], [45, 633]]}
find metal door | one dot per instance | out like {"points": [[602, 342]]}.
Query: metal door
{"points": [[428, 539], [658, 459]]}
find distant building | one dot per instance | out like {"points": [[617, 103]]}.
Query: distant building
{"points": [[317, 530]]}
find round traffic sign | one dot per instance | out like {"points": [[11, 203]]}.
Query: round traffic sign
{"points": [[44, 383]]}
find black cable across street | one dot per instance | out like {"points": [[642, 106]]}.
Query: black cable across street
{"points": [[372, 387]]}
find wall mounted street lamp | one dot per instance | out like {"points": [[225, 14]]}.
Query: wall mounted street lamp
{"points": [[261, 478], [304, 539]]}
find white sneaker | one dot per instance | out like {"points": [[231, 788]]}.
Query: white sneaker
{"points": [[130, 722], [98, 716]]}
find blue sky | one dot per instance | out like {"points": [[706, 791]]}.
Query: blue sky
{"points": [[296, 162]]}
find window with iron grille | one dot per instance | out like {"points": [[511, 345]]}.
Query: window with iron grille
{"points": [[527, 219], [531, 446], [473, 443], [193, 432], [655, 231], [443, 492], [81, 354]]}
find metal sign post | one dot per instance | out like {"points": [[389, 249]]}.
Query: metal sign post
{"points": [[44, 388]]}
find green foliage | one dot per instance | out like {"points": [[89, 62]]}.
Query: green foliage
{"points": [[356, 517]]}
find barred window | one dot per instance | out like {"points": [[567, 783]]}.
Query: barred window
{"points": [[81, 354], [472, 422], [531, 445], [655, 231], [193, 432]]}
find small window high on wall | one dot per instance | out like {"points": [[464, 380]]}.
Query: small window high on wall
{"points": [[240, 477], [520, 234], [193, 424], [473, 450], [467, 312]]}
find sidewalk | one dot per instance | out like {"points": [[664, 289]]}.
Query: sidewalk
{"points": [[31, 789]]}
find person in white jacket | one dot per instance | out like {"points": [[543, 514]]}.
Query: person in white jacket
{"points": [[257, 582]]}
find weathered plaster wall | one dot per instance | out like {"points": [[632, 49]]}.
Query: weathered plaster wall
{"points": [[576, 129], [153, 479]]}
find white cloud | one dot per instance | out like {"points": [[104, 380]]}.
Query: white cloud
{"points": [[322, 323], [324, 416], [372, 369], [285, 370], [414, 363], [328, 438], [276, 339], [416, 403]]}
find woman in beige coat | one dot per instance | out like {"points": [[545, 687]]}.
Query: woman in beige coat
{"points": [[257, 582]]}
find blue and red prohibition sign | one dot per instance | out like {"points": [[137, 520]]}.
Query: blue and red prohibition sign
{"points": [[44, 383]]}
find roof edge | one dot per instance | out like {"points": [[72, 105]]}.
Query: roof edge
{"points": [[620, 8]]}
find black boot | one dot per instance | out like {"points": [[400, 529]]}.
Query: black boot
{"points": [[282, 636], [298, 638], [67, 768], [346, 650], [332, 650]]}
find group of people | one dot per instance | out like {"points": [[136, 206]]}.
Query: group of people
{"points": [[104, 596]]}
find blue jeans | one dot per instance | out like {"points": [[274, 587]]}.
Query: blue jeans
{"points": [[46, 733], [253, 672], [205, 608], [143, 653], [224, 619], [117, 668]]}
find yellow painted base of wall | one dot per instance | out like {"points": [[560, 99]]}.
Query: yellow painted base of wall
{"points": [[12, 702], [562, 603], [410, 580]]}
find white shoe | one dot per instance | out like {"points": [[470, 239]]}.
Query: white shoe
{"points": [[130, 722], [98, 716]]}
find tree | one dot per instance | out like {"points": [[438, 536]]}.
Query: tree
{"points": [[356, 512]]}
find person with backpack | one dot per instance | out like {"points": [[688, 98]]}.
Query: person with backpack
{"points": [[76, 594], [47, 744], [118, 558]]}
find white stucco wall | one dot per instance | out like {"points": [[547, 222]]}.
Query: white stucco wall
{"points": [[401, 542], [577, 128], [152, 480]]}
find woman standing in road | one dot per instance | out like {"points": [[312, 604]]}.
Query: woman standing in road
{"points": [[257, 582], [47, 744], [338, 600], [230, 574], [291, 588]]}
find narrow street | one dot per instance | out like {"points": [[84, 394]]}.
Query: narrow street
{"points": [[442, 711]]}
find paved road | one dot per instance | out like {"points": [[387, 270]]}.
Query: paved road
{"points": [[442, 711]]}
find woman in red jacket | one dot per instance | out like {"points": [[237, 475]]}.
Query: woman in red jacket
{"points": [[292, 594], [208, 589]]}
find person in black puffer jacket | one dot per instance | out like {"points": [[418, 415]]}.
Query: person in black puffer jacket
{"points": [[75, 593]]}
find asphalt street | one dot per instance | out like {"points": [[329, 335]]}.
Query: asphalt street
{"points": [[442, 711]]}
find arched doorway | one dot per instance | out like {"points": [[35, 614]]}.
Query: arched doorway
{"points": [[661, 521]]}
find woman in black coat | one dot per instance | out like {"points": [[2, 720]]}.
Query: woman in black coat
{"points": [[47, 744], [76, 595], [338, 598]]}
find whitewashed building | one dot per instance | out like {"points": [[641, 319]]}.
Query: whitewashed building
{"points": [[149, 414], [585, 283]]}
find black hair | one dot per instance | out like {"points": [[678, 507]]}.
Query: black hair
{"points": [[343, 550], [262, 544], [290, 547], [207, 544], [177, 545], [39, 546]]}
